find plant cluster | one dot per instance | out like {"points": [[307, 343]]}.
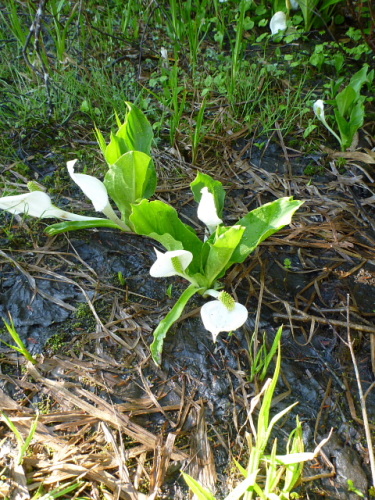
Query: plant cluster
{"points": [[281, 473], [130, 181], [198, 61], [349, 109]]}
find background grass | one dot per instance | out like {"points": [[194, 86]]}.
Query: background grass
{"points": [[85, 60]]}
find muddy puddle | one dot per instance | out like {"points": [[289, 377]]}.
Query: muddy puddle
{"points": [[302, 278]]}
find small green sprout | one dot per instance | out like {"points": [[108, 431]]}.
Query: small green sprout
{"points": [[287, 263], [20, 347], [169, 291], [121, 278]]}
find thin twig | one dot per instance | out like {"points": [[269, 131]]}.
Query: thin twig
{"points": [[35, 29], [361, 398]]}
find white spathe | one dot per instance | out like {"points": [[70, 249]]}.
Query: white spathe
{"points": [[278, 22], [37, 204], [218, 317], [96, 191], [93, 188], [318, 108], [207, 212], [171, 263]]}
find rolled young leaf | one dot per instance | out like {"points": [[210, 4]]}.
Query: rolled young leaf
{"points": [[63, 227]]}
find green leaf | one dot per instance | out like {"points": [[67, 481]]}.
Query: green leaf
{"points": [[160, 221], [138, 131], [135, 134], [101, 140], [357, 117], [214, 187], [345, 99], [262, 223], [115, 149], [63, 227], [130, 179], [360, 78], [307, 8], [271, 353], [221, 251], [165, 324], [248, 484], [264, 412], [344, 129], [328, 3], [197, 489]]}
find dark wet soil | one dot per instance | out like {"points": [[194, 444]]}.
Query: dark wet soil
{"points": [[300, 278]]}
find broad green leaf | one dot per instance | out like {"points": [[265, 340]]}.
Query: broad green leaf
{"points": [[160, 221], [357, 117], [221, 251], [345, 100], [344, 129], [130, 179], [136, 132], [214, 187], [262, 223], [165, 324], [197, 489], [360, 78], [115, 149], [63, 227]]}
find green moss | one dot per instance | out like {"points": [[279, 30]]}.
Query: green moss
{"points": [[56, 342], [83, 311], [313, 169]]}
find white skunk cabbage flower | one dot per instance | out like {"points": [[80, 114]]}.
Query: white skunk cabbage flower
{"points": [[171, 263], [278, 22], [164, 53], [294, 4], [223, 314], [318, 108], [92, 187], [207, 212], [37, 204], [96, 191]]}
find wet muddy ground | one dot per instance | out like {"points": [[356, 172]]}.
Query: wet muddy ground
{"points": [[304, 277]]}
